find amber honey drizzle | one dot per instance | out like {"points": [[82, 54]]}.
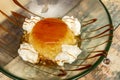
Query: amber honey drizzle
{"points": [[18, 18], [85, 23], [17, 15], [101, 27], [63, 73], [102, 34], [99, 44], [97, 55]]}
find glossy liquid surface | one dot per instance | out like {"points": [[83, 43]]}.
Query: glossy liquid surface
{"points": [[49, 30]]}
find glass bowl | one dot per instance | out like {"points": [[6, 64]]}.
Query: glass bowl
{"points": [[96, 37]]}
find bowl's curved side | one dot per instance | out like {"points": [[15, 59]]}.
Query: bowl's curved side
{"points": [[106, 49], [10, 75], [87, 70]]}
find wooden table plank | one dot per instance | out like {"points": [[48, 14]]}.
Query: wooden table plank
{"points": [[3, 77]]}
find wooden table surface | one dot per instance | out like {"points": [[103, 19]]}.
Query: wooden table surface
{"points": [[103, 71]]}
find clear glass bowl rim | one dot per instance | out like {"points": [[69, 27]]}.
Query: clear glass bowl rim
{"points": [[84, 72]]}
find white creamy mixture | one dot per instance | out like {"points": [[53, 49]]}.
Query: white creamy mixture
{"points": [[73, 24], [28, 53], [69, 52]]}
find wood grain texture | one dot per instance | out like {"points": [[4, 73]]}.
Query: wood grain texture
{"points": [[113, 7], [3, 77]]}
